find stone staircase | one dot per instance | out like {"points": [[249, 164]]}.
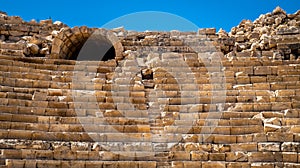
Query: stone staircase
{"points": [[44, 125]]}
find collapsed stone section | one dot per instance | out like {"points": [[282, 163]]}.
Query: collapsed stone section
{"points": [[275, 31], [51, 40], [30, 39]]}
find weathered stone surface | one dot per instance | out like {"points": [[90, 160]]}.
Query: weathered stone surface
{"points": [[33, 48], [169, 108], [269, 147]]}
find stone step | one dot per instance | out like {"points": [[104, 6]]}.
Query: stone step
{"points": [[182, 100], [115, 133], [282, 92], [15, 163], [141, 164], [259, 73], [200, 119], [12, 46], [204, 105], [55, 62], [204, 126], [14, 95], [255, 158], [253, 61], [205, 135], [220, 86], [11, 52], [258, 142], [59, 63], [57, 69], [34, 114]]}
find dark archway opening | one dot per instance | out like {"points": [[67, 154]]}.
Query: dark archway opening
{"points": [[110, 54], [95, 48]]}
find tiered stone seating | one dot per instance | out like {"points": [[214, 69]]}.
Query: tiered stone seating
{"points": [[169, 108]]}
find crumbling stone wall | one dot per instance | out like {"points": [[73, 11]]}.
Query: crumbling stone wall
{"points": [[167, 99], [276, 31], [20, 38]]}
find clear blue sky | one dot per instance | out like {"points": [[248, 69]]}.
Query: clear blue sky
{"points": [[208, 13]]}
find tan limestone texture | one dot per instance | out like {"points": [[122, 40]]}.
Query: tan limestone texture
{"points": [[158, 99]]}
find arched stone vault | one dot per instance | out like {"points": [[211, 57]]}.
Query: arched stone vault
{"points": [[68, 43]]}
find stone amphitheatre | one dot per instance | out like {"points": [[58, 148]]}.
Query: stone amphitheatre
{"points": [[88, 97]]}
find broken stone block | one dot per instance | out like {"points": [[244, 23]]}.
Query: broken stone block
{"points": [[271, 128], [33, 48], [269, 147], [236, 157], [290, 147]]}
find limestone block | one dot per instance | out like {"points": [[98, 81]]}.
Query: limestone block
{"points": [[24, 83], [264, 157], [243, 80], [41, 84], [16, 33], [272, 128], [289, 157], [291, 165], [217, 156], [236, 157], [33, 48], [24, 118], [137, 94], [60, 85], [290, 147], [218, 164], [82, 155], [278, 106], [186, 164], [57, 105], [107, 156], [15, 163], [238, 165], [295, 129], [261, 86], [79, 164], [264, 165], [264, 106], [227, 139], [181, 156], [282, 93], [94, 164], [39, 96], [44, 154], [199, 156], [244, 147], [258, 79], [207, 31], [59, 128], [11, 154], [30, 163], [148, 164], [269, 147], [28, 153], [37, 127], [262, 70], [237, 130]]}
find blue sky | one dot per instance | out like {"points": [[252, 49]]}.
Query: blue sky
{"points": [[172, 14]]}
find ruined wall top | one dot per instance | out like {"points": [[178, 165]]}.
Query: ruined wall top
{"points": [[276, 34]]}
